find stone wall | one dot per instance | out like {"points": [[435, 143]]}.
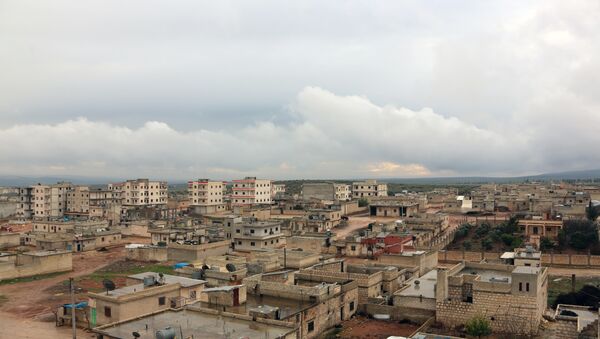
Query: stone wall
{"points": [[147, 254], [179, 252], [27, 265], [547, 259], [399, 313]]}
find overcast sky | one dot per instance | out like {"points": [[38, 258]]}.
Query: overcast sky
{"points": [[306, 89]]}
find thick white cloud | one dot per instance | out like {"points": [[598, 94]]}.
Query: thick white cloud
{"points": [[333, 136], [486, 88]]}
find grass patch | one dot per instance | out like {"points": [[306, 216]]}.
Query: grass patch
{"points": [[29, 279], [126, 268], [559, 285]]}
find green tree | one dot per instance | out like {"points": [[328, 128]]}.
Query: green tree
{"points": [[467, 245], [478, 326], [507, 239], [487, 243], [546, 243], [592, 212], [363, 202]]}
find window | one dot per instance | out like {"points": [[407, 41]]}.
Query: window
{"points": [[527, 287], [107, 312], [352, 306], [353, 248], [520, 286], [161, 301], [237, 230], [252, 243], [311, 326], [193, 294]]}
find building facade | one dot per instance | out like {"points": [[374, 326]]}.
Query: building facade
{"points": [[206, 196], [250, 191], [368, 188], [141, 192]]}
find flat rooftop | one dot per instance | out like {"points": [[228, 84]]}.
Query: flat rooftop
{"points": [[194, 323], [425, 288], [487, 275], [287, 307], [169, 279]]}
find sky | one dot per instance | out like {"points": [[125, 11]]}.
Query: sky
{"points": [[298, 89]]}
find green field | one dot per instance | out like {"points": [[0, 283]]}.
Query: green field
{"points": [[559, 285]]}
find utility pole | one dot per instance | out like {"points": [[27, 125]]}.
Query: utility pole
{"points": [[73, 319]]}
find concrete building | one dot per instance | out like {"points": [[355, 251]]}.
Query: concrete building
{"points": [[393, 208], [206, 196], [513, 298], [34, 263], [277, 190], [195, 322], [141, 192], [368, 189], [311, 303], [250, 191], [255, 235], [43, 201], [78, 201], [327, 191], [154, 293]]}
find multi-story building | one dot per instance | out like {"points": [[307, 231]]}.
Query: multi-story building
{"points": [[250, 191], [78, 200], [206, 196], [277, 190], [368, 188], [25, 207], [512, 297], [254, 235], [43, 201], [326, 191], [141, 192]]}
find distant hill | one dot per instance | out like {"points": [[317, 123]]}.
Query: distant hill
{"points": [[570, 175], [14, 180]]}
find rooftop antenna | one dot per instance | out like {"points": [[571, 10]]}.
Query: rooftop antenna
{"points": [[109, 285]]}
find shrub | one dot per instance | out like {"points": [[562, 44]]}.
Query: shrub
{"points": [[546, 243], [467, 245], [507, 239], [579, 234], [363, 202], [478, 326], [487, 243]]}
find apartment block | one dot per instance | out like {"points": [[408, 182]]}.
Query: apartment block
{"points": [[206, 196], [326, 191], [277, 190], [141, 192], [249, 191], [78, 201], [43, 201], [368, 188], [255, 235]]}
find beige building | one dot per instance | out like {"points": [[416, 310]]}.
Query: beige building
{"points": [[249, 191], [34, 263], [78, 201], [512, 298], [277, 190], [254, 235], [328, 191], [154, 293], [206, 196], [368, 188], [141, 192], [43, 201]]}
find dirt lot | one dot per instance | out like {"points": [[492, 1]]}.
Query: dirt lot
{"points": [[361, 327]]}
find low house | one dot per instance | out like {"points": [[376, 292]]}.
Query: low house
{"points": [[34, 263], [156, 292]]}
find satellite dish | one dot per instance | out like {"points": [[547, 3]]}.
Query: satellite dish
{"points": [[230, 267], [109, 285]]}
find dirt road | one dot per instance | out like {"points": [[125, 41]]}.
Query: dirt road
{"points": [[354, 223], [28, 302]]}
